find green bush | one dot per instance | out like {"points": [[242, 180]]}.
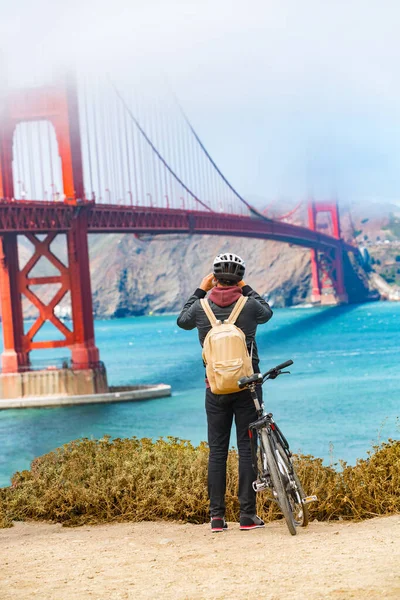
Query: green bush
{"points": [[98, 481]]}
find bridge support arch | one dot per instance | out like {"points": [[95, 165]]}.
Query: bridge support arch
{"points": [[60, 106], [327, 266]]}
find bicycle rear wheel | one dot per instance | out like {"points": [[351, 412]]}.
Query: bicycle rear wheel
{"points": [[295, 492], [276, 480]]}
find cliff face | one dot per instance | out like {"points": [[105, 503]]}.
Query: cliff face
{"points": [[134, 277]]}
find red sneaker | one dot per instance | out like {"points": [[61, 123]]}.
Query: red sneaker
{"points": [[218, 524]]}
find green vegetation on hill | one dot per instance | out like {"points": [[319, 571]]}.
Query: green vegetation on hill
{"points": [[99, 481], [386, 262], [393, 226]]}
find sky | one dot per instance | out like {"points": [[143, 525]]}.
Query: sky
{"points": [[290, 97]]}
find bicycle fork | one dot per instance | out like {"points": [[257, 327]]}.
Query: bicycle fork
{"points": [[262, 482]]}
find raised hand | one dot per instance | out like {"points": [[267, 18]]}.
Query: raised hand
{"points": [[208, 283]]}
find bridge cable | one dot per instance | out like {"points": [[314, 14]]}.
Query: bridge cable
{"points": [[236, 193], [291, 212], [148, 140]]}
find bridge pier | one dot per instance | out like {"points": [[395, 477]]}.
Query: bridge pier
{"points": [[84, 351], [14, 354], [316, 284], [327, 266]]}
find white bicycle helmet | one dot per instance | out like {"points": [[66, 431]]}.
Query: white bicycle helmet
{"points": [[229, 267]]}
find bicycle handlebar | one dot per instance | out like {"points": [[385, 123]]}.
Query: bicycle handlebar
{"points": [[259, 378], [282, 366]]}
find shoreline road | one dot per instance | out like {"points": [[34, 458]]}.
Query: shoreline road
{"points": [[329, 561]]}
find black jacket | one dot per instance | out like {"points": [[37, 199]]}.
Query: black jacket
{"points": [[255, 312]]}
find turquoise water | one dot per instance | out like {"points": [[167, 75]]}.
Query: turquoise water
{"points": [[343, 394]]}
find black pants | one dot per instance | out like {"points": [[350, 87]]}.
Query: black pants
{"points": [[220, 411]]}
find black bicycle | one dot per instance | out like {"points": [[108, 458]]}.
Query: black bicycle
{"points": [[275, 470]]}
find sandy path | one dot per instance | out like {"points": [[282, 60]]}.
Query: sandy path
{"points": [[167, 560]]}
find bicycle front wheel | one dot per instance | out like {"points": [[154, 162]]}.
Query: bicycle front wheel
{"points": [[296, 493], [276, 480]]}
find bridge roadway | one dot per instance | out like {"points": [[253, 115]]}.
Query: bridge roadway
{"points": [[43, 217]]}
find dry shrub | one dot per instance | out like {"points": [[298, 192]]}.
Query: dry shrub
{"points": [[5, 520], [372, 487], [93, 481], [97, 481]]}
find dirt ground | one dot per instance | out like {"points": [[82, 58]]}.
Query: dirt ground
{"points": [[330, 561]]}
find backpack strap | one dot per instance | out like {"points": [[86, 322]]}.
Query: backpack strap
{"points": [[207, 309], [237, 309]]}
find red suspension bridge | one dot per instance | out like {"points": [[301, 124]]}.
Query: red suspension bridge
{"points": [[101, 161]]}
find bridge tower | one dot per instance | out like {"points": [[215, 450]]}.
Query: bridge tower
{"points": [[327, 266], [59, 106]]}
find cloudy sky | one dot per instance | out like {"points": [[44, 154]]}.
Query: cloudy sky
{"points": [[290, 97]]}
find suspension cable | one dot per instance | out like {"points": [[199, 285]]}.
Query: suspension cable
{"points": [[236, 193], [166, 165]]}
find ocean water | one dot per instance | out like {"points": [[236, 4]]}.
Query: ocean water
{"points": [[342, 397]]}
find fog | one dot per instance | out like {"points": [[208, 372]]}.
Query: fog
{"points": [[291, 98]]}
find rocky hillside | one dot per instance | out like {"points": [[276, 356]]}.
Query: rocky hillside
{"points": [[134, 277]]}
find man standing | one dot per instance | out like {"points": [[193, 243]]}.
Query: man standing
{"points": [[227, 286]]}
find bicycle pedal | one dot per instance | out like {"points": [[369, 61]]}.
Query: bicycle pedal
{"points": [[259, 486], [309, 499]]}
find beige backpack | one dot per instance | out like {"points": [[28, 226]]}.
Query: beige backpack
{"points": [[225, 352]]}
